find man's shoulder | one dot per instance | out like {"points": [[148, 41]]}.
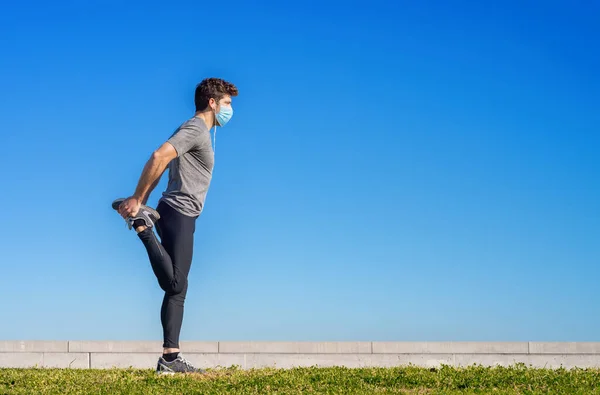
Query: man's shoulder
{"points": [[193, 124]]}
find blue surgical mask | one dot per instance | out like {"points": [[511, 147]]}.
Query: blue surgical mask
{"points": [[224, 115]]}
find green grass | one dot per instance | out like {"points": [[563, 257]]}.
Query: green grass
{"points": [[517, 379]]}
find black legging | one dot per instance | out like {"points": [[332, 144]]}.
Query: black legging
{"points": [[171, 259]]}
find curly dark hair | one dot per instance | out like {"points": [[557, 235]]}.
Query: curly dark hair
{"points": [[215, 88]]}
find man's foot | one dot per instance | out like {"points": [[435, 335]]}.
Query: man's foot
{"points": [[179, 365], [146, 216]]}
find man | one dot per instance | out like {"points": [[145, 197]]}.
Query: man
{"points": [[189, 155]]}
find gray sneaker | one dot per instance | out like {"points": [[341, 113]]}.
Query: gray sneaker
{"points": [[180, 365], [145, 213]]}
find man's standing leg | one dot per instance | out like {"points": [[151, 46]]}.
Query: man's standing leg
{"points": [[176, 232]]}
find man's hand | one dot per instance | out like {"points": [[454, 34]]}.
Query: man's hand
{"points": [[130, 207]]}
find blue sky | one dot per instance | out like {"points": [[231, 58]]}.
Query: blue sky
{"points": [[393, 171]]}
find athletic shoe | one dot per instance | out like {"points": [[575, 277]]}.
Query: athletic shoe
{"points": [[147, 214], [179, 365]]}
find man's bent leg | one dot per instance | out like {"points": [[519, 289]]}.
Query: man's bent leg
{"points": [[160, 260]]}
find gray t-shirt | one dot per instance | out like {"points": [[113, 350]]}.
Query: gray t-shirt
{"points": [[190, 172]]}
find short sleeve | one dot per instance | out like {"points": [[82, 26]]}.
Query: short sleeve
{"points": [[184, 140]]}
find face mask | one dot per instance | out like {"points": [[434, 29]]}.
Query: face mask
{"points": [[224, 115]]}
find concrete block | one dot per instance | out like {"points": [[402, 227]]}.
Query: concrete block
{"points": [[567, 361], [21, 359], [148, 361], [450, 347], [116, 346], [490, 359], [296, 347], [189, 347], [123, 360], [287, 361], [216, 360], [139, 346], [33, 346], [66, 360], [564, 348], [423, 360]]}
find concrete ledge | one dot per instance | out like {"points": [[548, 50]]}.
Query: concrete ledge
{"points": [[450, 347], [564, 348], [286, 361], [73, 360], [21, 359], [296, 347], [44, 360], [276, 360], [248, 355], [33, 346]]}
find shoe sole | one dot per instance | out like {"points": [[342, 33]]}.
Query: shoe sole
{"points": [[170, 373]]}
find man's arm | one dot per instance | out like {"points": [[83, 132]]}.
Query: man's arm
{"points": [[154, 184], [150, 177]]}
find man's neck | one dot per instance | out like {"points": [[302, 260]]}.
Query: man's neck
{"points": [[208, 117]]}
